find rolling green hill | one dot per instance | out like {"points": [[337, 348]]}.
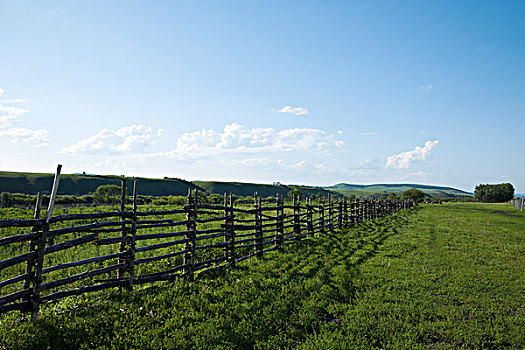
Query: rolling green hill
{"points": [[384, 189], [72, 184], [77, 184]]}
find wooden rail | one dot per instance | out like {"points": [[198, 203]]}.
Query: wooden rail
{"points": [[131, 247]]}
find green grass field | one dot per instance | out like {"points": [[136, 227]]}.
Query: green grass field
{"points": [[434, 277]]}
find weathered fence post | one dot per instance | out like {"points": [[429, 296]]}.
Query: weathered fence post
{"points": [[340, 214], [345, 212], [123, 233], [190, 236], [132, 246], [40, 250], [280, 221], [229, 232], [309, 217], [37, 278], [258, 226], [296, 217], [330, 213], [321, 215], [350, 213], [30, 272], [355, 206]]}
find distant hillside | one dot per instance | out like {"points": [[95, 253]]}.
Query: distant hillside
{"points": [[72, 184], [77, 184], [263, 190], [384, 189]]}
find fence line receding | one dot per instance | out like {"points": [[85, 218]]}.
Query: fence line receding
{"points": [[46, 259]]}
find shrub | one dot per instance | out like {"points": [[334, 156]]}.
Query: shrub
{"points": [[498, 193], [414, 194]]}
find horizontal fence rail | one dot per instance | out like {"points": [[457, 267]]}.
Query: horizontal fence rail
{"points": [[47, 259]]}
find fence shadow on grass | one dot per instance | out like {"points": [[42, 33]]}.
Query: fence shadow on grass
{"points": [[81, 253]]}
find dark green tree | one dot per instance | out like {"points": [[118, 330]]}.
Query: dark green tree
{"points": [[107, 194], [497, 193], [216, 198], [5, 199], [295, 192], [416, 195]]}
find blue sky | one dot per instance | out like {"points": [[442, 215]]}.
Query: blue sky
{"points": [[305, 92]]}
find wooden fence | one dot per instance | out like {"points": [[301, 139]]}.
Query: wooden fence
{"points": [[46, 259], [518, 203]]}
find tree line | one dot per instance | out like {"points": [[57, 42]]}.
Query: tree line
{"points": [[110, 194], [497, 193]]}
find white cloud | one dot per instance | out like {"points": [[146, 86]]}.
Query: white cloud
{"points": [[25, 135], [371, 133], [133, 138], [293, 110], [275, 164], [425, 88], [7, 120], [405, 159], [236, 138], [420, 175], [340, 132], [371, 164], [11, 114], [16, 100]]}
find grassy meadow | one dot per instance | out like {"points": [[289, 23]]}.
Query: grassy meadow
{"points": [[434, 277]]}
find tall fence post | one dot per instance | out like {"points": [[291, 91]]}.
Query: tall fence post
{"points": [[258, 226], [351, 212], [190, 236], [30, 267], [123, 232], [132, 245], [296, 217], [229, 238], [330, 213], [279, 225], [309, 217], [345, 212], [40, 250], [340, 214], [321, 215]]}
